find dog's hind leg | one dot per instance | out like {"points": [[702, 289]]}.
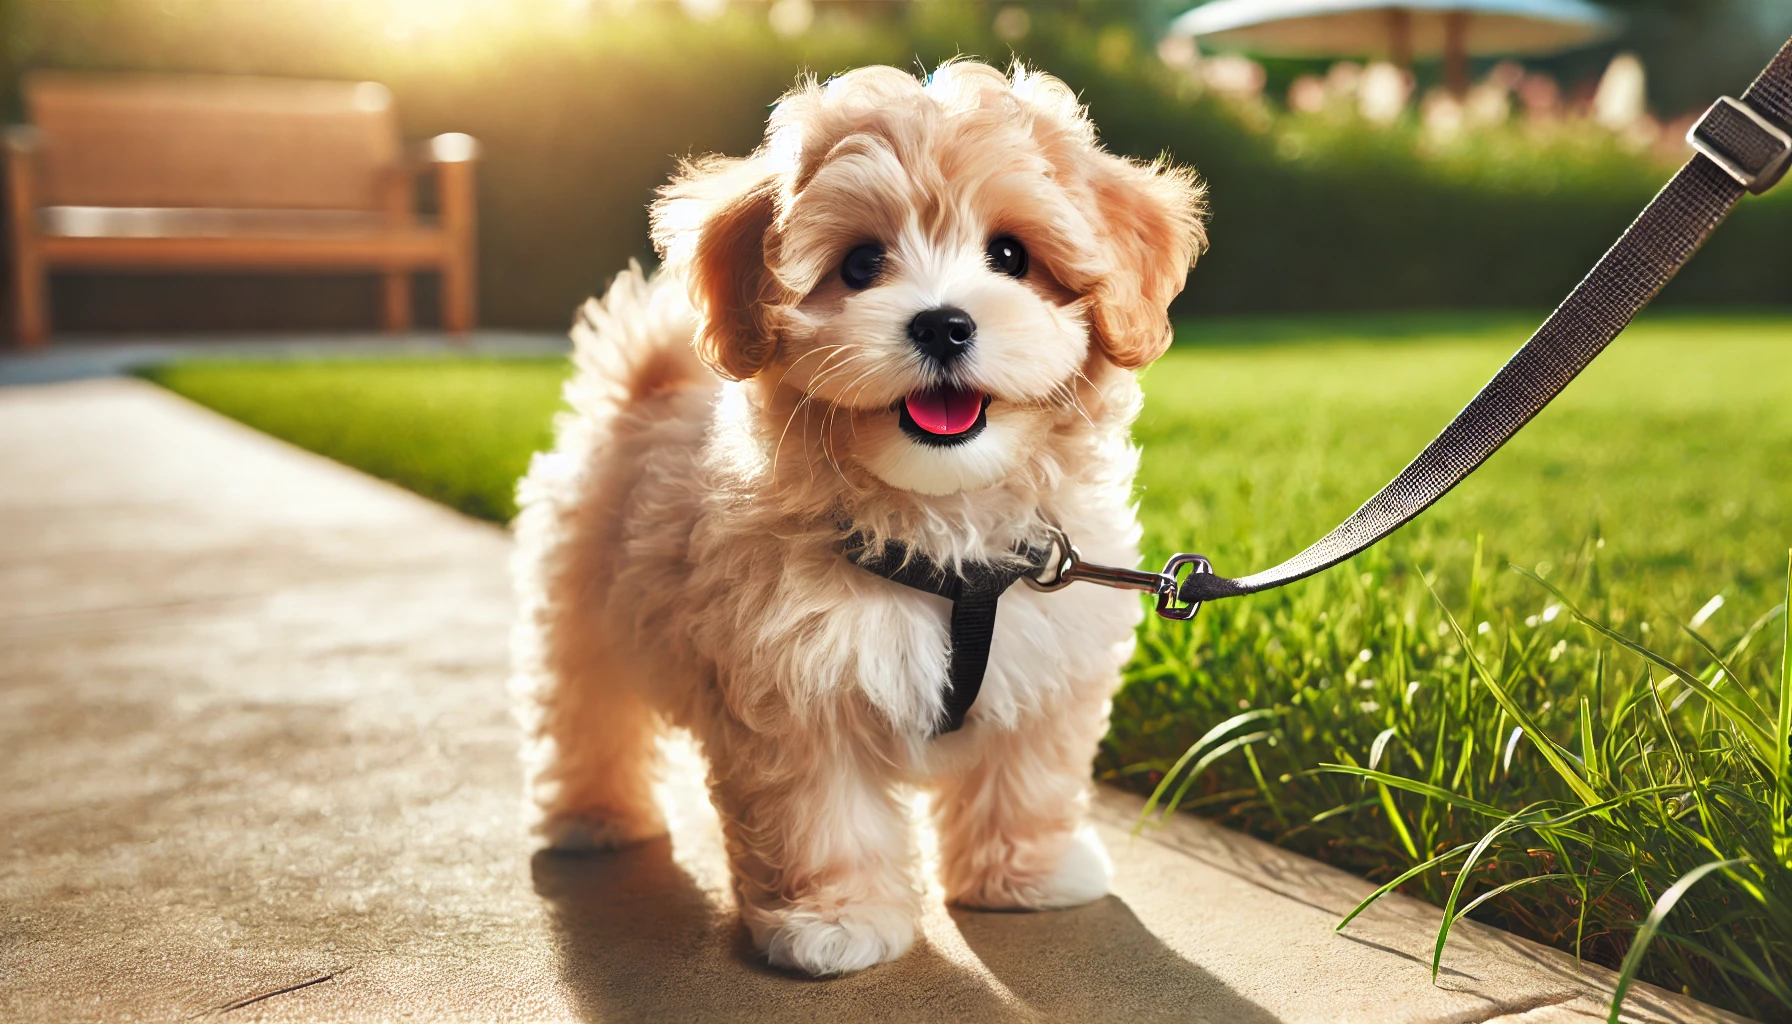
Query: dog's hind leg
{"points": [[589, 728], [592, 757]]}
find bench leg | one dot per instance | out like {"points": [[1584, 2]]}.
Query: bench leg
{"points": [[30, 301], [457, 295], [30, 293], [396, 289], [460, 280]]}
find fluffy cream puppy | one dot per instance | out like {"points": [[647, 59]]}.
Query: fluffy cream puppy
{"points": [[913, 313]]}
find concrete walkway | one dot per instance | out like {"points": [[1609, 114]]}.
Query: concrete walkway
{"points": [[256, 762]]}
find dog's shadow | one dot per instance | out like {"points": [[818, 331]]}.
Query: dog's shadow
{"points": [[638, 940], [1099, 963]]}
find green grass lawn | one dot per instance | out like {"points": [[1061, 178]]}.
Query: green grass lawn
{"points": [[1661, 480], [457, 430]]}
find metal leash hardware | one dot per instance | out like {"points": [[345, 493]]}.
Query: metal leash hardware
{"points": [[1066, 566]]}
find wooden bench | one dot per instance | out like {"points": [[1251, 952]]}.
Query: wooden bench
{"points": [[161, 173]]}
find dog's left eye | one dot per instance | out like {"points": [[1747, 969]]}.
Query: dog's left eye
{"points": [[860, 268], [1006, 254]]}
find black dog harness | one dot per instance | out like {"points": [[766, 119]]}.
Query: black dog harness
{"points": [[973, 590], [975, 587]]}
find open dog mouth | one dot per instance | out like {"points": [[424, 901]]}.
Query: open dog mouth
{"points": [[944, 416]]}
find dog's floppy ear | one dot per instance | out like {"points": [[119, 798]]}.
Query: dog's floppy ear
{"points": [[1151, 223], [712, 224]]}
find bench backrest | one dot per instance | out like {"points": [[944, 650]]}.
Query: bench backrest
{"points": [[211, 141]]}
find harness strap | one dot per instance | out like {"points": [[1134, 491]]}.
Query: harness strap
{"points": [[1742, 146], [973, 589]]}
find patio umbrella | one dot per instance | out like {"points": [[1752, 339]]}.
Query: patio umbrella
{"points": [[1400, 30]]}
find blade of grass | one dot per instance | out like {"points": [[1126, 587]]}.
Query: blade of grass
{"points": [[1250, 756], [1589, 751], [1194, 773], [1399, 880], [1782, 738], [1511, 824], [1398, 820], [1727, 671], [1415, 786], [1652, 924], [1212, 735], [1380, 746], [1693, 780], [1751, 729], [1542, 742], [1465, 759], [1386, 796], [1754, 629], [1340, 809], [1508, 887]]}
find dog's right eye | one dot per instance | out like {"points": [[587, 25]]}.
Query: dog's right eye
{"points": [[861, 266]]}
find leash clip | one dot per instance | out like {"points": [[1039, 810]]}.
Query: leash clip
{"points": [[1066, 566]]}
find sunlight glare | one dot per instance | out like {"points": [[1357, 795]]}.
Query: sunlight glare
{"points": [[408, 20]]}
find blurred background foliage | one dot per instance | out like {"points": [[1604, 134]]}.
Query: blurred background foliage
{"points": [[585, 107]]}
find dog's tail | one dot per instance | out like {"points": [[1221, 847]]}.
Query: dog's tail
{"points": [[630, 347], [632, 344]]}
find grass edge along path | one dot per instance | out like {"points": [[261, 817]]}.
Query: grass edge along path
{"points": [[1637, 501], [1650, 808]]}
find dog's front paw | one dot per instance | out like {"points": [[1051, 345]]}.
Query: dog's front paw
{"points": [[839, 942], [1081, 874]]}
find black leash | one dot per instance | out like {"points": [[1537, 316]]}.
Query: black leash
{"points": [[1742, 145]]}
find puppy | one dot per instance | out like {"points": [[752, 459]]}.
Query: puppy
{"points": [[910, 318]]}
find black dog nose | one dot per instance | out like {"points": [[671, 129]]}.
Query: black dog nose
{"points": [[943, 334]]}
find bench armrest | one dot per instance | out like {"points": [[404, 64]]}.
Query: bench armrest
{"points": [[448, 148], [22, 139], [449, 158], [427, 155], [444, 154]]}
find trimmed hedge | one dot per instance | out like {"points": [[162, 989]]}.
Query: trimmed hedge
{"points": [[582, 117]]}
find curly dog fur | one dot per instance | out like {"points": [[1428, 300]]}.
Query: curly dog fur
{"points": [[678, 559]]}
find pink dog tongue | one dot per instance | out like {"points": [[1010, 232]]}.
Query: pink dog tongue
{"points": [[945, 411]]}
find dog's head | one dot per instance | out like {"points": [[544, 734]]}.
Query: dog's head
{"points": [[930, 277]]}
